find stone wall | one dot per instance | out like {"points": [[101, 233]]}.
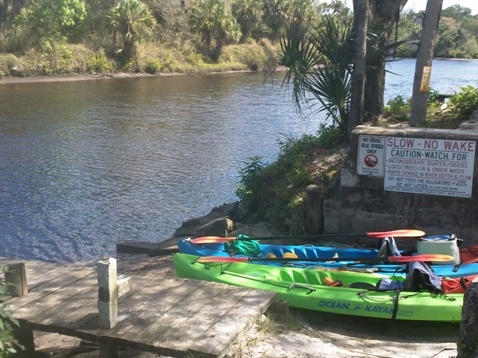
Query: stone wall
{"points": [[362, 202]]}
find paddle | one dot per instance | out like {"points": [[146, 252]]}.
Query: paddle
{"points": [[423, 257], [404, 233]]}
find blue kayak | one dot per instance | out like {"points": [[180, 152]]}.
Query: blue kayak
{"points": [[371, 260]]}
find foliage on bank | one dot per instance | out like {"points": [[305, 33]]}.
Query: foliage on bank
{"points": [[52, 37], [45, 37], [457, 33], [441, 112]]}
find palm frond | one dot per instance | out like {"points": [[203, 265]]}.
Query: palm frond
{"points": [[299, 56]]}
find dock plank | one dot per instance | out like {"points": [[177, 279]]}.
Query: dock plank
{"points": [[243, 314], [197, 320], [173, 319], [70, 279], [39, 275], [36, 271], [69, 305], [200, 324]]}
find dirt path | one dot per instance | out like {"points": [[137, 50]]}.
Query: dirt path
{"points": [[327, 335]]}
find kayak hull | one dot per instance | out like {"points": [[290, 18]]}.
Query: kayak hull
{"points": [[314, 252], [307, 289]]}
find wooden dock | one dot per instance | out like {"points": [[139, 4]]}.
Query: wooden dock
{"points": [[160, 313]]}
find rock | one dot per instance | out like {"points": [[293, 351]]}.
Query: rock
{"points": [[261, 229], [189, 227], [217, 227], [467, 344], [471, 124], [219, 222]]}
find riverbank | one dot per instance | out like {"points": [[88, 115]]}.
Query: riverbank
{"points": [[105, 76], [36, 79], [305, 334]]}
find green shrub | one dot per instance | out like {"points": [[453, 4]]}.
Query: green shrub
{"points": [[8, 64], [330, 137], [249, 187], [465, 101], [251, 56], [8, 344], [397, 108], [153, 66], [99, 63], [56, 58]]}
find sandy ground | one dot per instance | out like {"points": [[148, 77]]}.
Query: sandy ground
{"points": [[303, 334]]}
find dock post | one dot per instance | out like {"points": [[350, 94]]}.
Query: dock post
{"points": [[16, 280], [24, 336], [107, 302], [107, 293]]}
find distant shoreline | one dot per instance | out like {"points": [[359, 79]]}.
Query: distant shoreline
{"points": [[35, 79], [106, 76]]}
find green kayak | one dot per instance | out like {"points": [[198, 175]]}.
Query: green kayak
{"points": [[334, 291]]}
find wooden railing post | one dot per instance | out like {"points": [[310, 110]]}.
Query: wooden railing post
{"points": [[107, 293], [24, 336], [107, 302], [16, 279]]}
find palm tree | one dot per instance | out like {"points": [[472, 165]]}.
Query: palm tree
{"points": [[216, 25], [132, 19], [248, 14]]}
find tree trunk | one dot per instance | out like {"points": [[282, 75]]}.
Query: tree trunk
{"points": [[358, 76], [421, 81], [383, 15]]}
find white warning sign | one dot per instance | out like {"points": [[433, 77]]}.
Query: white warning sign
{"points": [[370, 159]]}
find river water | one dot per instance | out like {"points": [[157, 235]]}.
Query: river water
{"points": [[86, 164]]}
